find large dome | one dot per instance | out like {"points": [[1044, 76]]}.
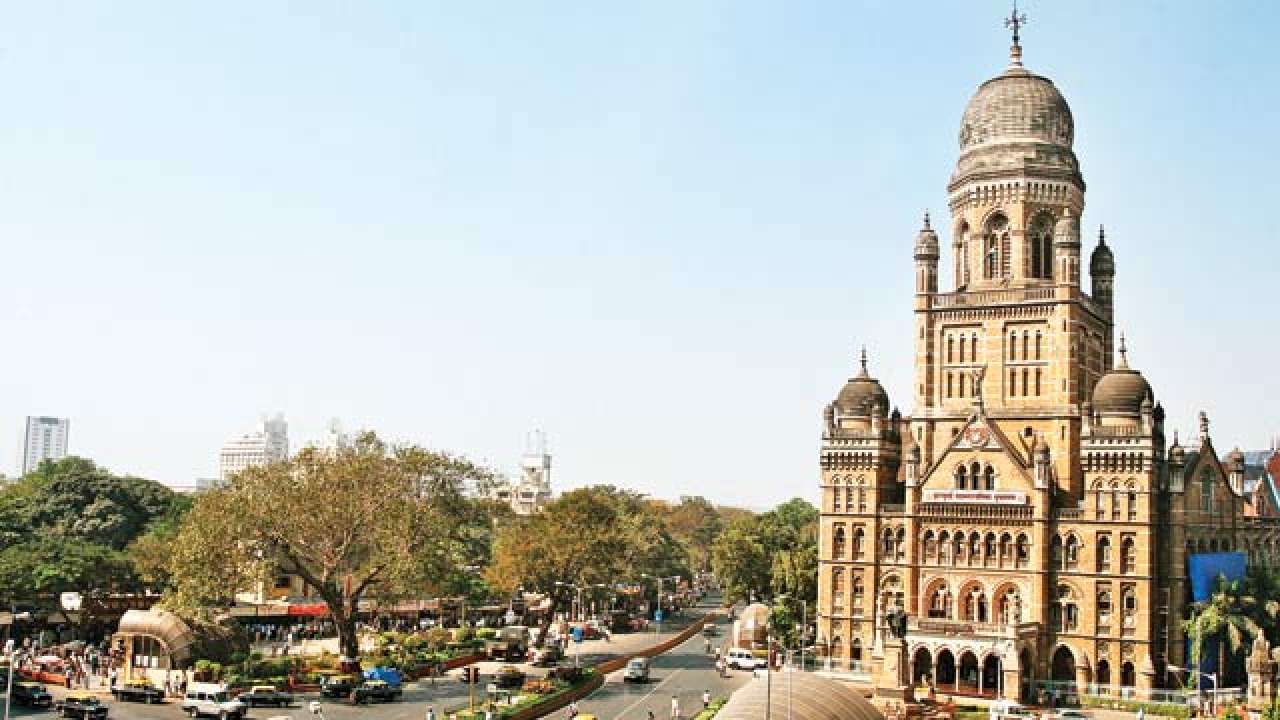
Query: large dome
{"points": [[1017, 122], [1017, 106], [862, 394], [1123, 391]]}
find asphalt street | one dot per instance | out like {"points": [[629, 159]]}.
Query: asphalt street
{"points": [[684, 672]]}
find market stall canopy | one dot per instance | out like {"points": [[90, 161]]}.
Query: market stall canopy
{"points": [[169, 629]]}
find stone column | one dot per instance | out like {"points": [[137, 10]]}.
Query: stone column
{"points": [[893, 682]]}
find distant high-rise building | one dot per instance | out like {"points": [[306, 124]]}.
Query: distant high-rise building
{"points": [[268, 444], [46, 439], [533, 491]]}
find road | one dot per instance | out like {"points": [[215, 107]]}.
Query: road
{"points": [[684, 672], [445, 693]]}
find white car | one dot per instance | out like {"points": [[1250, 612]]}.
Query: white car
{"points": [[637, 670], [743, 659], [212, 700], [1007, 710]]}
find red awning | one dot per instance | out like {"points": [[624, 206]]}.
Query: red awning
{"points": [[308, 610]]}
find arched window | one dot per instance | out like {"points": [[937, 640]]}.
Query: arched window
{"points": [[1132, 503], [858, 593], [940, 603], [1040, 238], [858, 537], [1064, 615], [1013, 382], [886, 544], [862, 497], [1023, 551], [1104, 553], [1115, 501], [958, 540], [973, 348], [989, 476], [900, 549], [1097, 501], [975, 476], [837, 545], [961, 478], [1104, 611], [944, 548], [1128, 556], [1072, 551], [930, 547], [1013, 346], [1025, 387], [975, 548], [989, 550], [948, 384], [995, 248], [1006, 549], [963, 385], [1010, 606], [975, 605]]}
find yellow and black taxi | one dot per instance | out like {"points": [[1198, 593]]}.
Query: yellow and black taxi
{"points": [[138, 691], [375, 691], [81, 704], [31, 694]]}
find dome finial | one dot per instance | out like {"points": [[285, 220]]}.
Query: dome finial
{"points": [[1124, 354], [1014, 22], [926, 220], [1102, 235], [862, 360]]}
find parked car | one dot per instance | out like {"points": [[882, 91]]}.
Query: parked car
{"points": [[744, 659], [710, 630], [509, 676], [266, 695], [637, 670], [212, 700], [138, 691], [1008, 710], [81, 704], [375, 691], [31, 694], [337, 686], [1065, 714], [547, 656]]}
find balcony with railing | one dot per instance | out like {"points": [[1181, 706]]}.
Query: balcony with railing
{"points": [[991, 297]]}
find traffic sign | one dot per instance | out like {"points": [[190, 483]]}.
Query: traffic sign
{"points": [[577, 634], [658, 616]]}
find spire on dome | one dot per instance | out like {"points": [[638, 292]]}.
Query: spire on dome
{"points": [[926, 220], [1102, 235], [1014, 22], [1124, 354], [862, 359]]}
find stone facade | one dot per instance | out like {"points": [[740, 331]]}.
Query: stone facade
{"points": [[1030, 516]]}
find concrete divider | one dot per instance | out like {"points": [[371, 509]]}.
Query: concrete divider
{"points": [[553, 704]]}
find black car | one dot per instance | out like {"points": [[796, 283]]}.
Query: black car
{"points": [[81, 705], [265, 695], [338, 686], [509, 676], [138, 691], [375, 691], [31, 694]]}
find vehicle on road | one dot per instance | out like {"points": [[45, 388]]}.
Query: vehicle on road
{"points": [[337, 686], [744, 659], [547, 656], [510, 643], [509, 676], [375, 691], [637, 670], [81, 704], [31, 694], [710, 630], [1066, 714], [266, 695], [138, 691], [212, 700]]}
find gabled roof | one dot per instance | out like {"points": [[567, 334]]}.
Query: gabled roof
{"points": [[979, 419]]}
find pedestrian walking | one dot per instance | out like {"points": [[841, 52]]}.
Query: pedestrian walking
{"points": [[1141, 713], [706, 700], [651, 714], [488, 712], [675, 708], [573, 710], [431, 713]]}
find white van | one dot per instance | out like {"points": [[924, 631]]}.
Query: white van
{"points": [[743, 659], [212, 700], [637, 670], [1008, 710]]}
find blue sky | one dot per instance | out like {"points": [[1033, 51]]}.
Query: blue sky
{"points": [[657, 230]]}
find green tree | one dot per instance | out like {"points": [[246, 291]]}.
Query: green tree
{"points": [[37, 570], [1228, 615], [696, 524], [361, 520], [741, 561]]}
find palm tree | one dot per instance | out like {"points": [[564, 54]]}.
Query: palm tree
{"points": [[1232, 614]]}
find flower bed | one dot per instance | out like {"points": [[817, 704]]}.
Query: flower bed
{"points": [[534, 704], [711, 710]]}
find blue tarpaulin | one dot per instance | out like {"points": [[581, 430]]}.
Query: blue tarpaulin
{"points": [[1205, 569], [390, 676]]}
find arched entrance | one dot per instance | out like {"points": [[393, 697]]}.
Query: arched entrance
{"points": [[946, 670], [1062, 670], [991, 676], [1025, 667], [1103, 678], [968, 671], [1127, 675], [921, 666]]}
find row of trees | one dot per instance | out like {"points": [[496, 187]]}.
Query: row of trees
{"points": [[71, 526], [772, 557]]}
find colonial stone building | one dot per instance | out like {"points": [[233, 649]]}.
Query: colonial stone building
{"points": [[1031, 516]]}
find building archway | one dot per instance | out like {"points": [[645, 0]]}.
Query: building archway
{"points": [[969, 671], [1103, 673], [1025, 674], [945, 674], [1062, 668], [991, 674], [921, 665], [1127, 677]]}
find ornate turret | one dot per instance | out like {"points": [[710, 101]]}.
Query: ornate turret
{"points": [[926, 254], [1066, 246], [1177, 465], [1235, 470], [1102, 269]]}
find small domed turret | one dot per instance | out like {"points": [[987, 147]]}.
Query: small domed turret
{"points": [[1102, 263], [926, 241], [1235, 459], [862, 395], [1177, 454], [1122, 392]]}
